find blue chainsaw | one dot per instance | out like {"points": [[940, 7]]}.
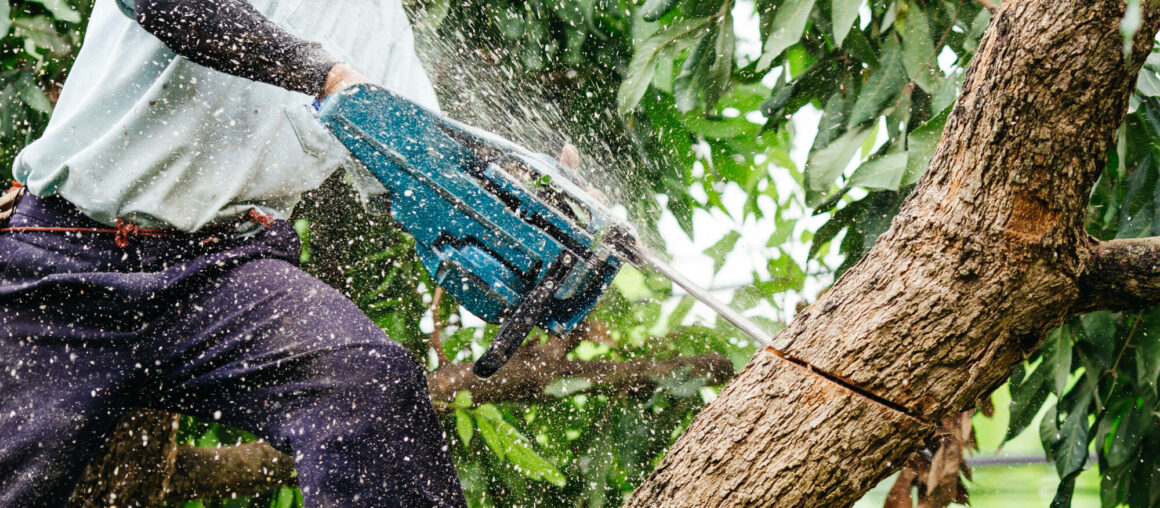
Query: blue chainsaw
{"points": [[507, 232]]}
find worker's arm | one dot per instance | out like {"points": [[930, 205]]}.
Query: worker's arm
{"points": [[233, 37]]}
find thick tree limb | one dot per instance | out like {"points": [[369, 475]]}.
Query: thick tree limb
{"points": [[1121, 275], [136, 465], [214, 473], [526, 376]]}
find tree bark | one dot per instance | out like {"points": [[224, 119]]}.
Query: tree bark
{"points": [[216, 473], [135, 468], [1124, 274], [984, 258]]}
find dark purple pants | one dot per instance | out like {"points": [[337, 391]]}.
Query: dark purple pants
{"points": [[231, 332]]}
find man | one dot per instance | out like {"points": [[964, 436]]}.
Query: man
{"points": [[143, 270]]}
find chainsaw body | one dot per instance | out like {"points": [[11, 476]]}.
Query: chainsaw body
{"points": [[502, 229]]}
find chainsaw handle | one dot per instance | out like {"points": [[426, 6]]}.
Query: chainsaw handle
{"points": [[523, 318]]}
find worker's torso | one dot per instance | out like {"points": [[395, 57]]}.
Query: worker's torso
{"points": [[142, 134]]}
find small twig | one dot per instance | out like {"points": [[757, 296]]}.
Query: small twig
{"points": [[942, 40], [436, 339], [989, 5], [1116, 364]]}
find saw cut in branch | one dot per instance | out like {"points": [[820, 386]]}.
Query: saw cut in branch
{"points": [[1121, 275]]}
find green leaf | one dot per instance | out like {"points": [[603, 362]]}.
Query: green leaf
{"points": [[947, 92], [978, 26], [489, 412], [1065, 492], [721, 249], [1069, 449], [1060, 359], [859, 47], [31, 94], [881, 90], [708, 69], [884, 173], [918, 50], [462, 400], [492, 439], [532, 465], [39, 32], [1148, 358], [788, 23], [920, 146], [785, 274], [464, 426], [826, 164], [566, 386], [302, 227], [655, 9], [5, 19], [664, 44], [781, 231], [61, 10], [1138, 211], [284, 499], [843, 15], [678, 315], [1147, 83], [1026, 399], [833, 122], [787, 98], [632, 284], [1133, 426], [841, 220], [508, 443], [1048, 429]]}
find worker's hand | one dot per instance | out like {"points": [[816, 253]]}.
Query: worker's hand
{"points": [[339, 77]]}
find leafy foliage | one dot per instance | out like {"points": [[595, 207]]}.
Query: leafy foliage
{"points": [[38, 41]]}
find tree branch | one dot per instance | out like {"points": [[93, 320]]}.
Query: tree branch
{"points": [[1121, 275], [212, 473], [532, 369], [215, 473]]}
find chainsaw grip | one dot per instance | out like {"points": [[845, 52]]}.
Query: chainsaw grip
{"points": [[523, 318]]}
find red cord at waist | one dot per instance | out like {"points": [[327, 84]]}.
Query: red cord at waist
{"points": [[125, 230]]}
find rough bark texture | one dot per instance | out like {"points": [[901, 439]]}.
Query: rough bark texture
{"points": [[215, 473], [817, 459], [983, 259], [1123, 274], [534, 368], [137, 463]]}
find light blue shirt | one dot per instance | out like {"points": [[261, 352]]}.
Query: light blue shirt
{"points": [[142, 134]]}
